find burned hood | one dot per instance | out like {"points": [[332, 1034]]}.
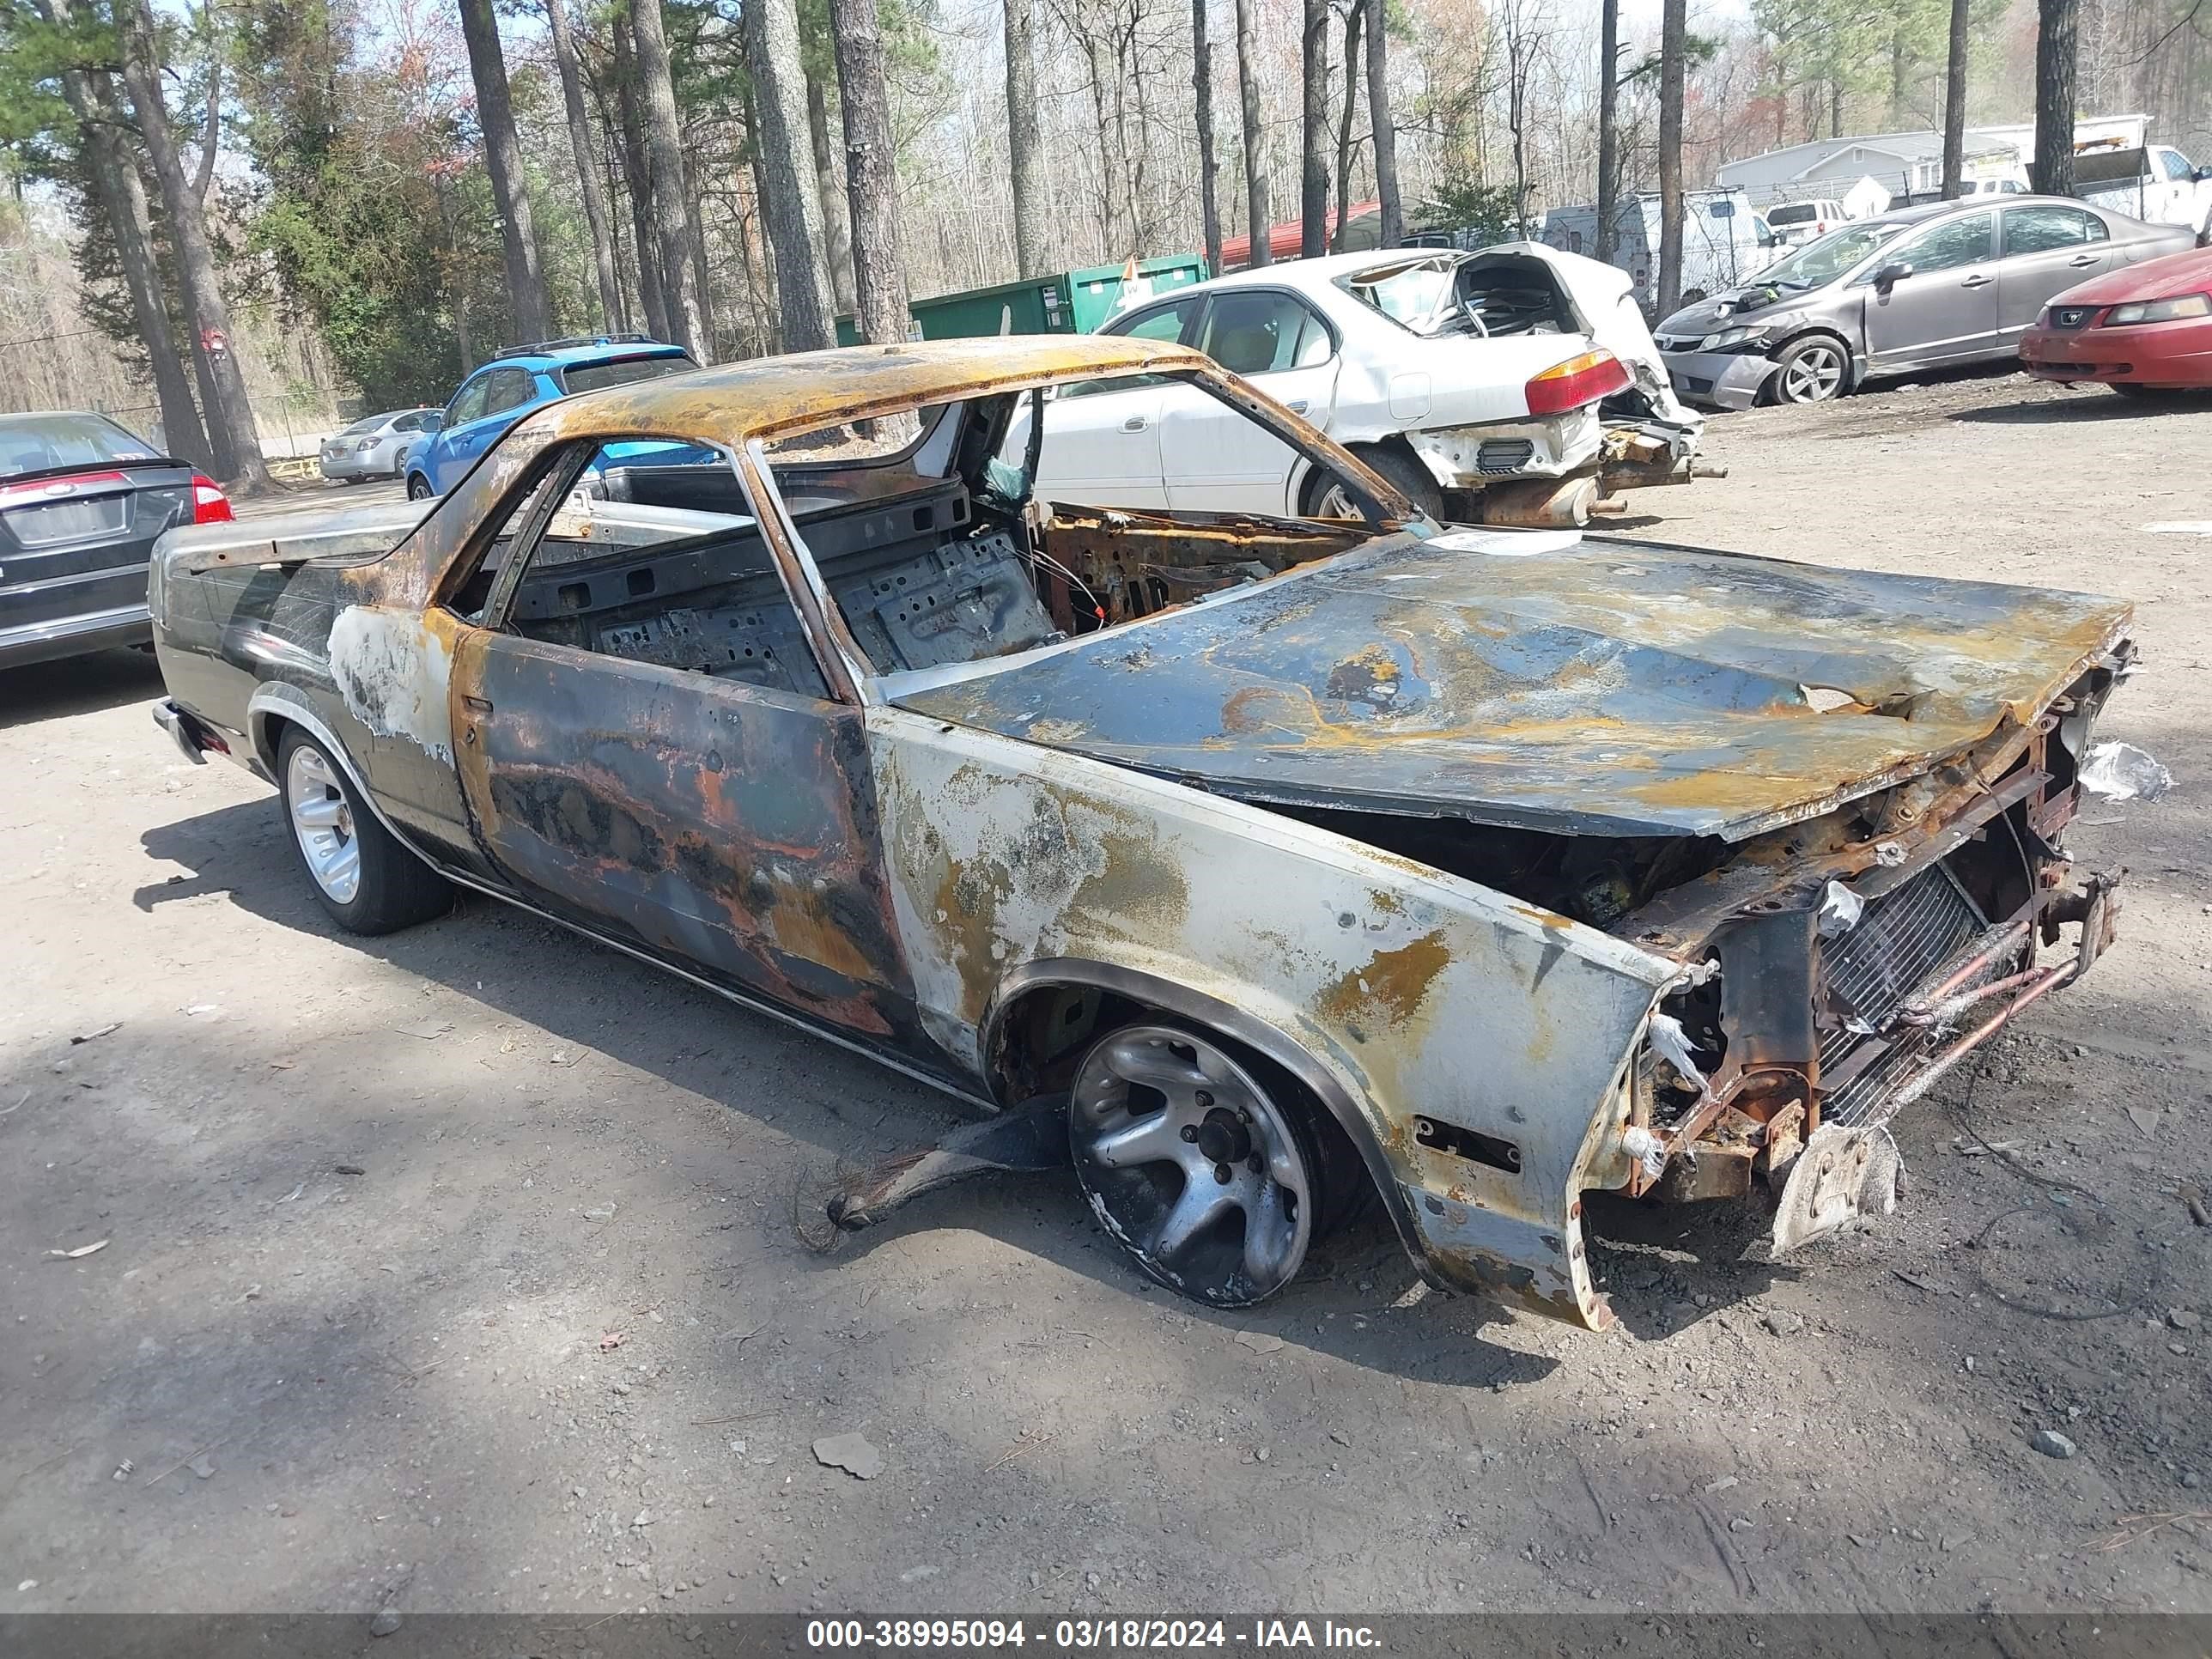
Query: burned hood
{"points": [[1540, 680]]}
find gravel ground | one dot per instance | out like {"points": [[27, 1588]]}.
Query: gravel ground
{"points": [[456, 1271]]}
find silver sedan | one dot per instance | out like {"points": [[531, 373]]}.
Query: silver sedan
{"points": [[377, 446], [1944, 283]]}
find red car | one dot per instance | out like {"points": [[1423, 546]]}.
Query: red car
{"points": [[2142, 330]]}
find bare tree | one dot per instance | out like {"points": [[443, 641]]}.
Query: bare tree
{"points": [[789, 205], [836, 232], [2056, 49], [1354, 17], [1201, 84], [1954, 106], [518, 233], [1608, 125], [230, 418], [870, 173], [1673, 46], [1312, 133], [1032, 209], [1393, 226], [588, 168], [1261, 217], [664, 155], [637, 177], [122, 196]]}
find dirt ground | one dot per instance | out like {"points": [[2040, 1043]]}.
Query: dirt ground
{"points": [[456, 1271]]}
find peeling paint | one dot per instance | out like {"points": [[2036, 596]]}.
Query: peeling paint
{"points": [[393, 674]]}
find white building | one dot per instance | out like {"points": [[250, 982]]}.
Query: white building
{"points": [[1906, 163]]}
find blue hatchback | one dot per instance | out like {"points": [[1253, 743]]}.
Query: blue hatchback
{"points": [[517, 382]]}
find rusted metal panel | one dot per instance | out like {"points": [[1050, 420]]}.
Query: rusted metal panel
{"points": [[726, 826], [1426, 996], [1547, 683]]}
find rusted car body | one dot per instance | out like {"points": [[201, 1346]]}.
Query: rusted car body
{"points": [[1494, 867]]}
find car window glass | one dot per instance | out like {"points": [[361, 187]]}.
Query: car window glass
{"points": [[470, 404], [2040, 229], [510, 388], [1261, 333], [1165, 326], [32, 443], [2177, 164], [408, 423], [1951, 247], [1821, 261], [621, 371]]}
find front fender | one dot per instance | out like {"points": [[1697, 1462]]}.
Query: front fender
{"points": [[1474, 1045]]}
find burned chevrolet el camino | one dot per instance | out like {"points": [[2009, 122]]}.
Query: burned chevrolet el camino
{"points": [[1283, 860]]}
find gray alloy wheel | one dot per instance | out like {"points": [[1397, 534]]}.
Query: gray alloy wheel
{"points": [[1207, 1179], [418, 487], [322, 823], [1811, 372]]}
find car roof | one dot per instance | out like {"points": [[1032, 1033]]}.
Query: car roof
{"points": [[1312, 275], [1925, 211], [567, 355], [801, 392]]}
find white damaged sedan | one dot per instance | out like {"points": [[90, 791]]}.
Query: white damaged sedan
{"points": [[1516, 385]]}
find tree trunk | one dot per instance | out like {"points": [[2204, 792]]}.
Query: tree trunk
{"points": [[836, 231], [230, 416], [1201, 84], [1835, 109], [1393, 226], [1674, 31], [1024, 145], [1260, 214], [2055, 51], [695, 241], [790, 208], [664, 157], [637, 173], [531, 312], [1954, 106], [122, 196], [587, 169], [1609, 127], [870, 173], [1354, 17], [1312, 133]]}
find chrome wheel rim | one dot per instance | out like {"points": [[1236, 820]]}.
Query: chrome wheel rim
{"points": [[322, 823], [1190, 1165], [1814, 375], [1335, 502]]}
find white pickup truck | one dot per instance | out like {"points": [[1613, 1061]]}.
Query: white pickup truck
{"points": [[2155, 183]]}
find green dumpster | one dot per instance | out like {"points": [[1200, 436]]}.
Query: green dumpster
{"points": [[1068, 302]]}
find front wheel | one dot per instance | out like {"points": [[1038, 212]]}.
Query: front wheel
{"points": [[1813, 371], [364, 878], [418, 487], [1213, 1175]]}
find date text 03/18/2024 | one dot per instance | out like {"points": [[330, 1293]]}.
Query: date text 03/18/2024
{"points": [[1086, 1634]]}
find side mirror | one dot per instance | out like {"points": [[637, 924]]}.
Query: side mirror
{"points": [[2201, 174], [1890, 275], [432, 421]]}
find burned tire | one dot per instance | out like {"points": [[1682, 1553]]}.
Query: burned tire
{"points": [[1213, 1169], [1814, 370], [368, 882], [1325, 498]]}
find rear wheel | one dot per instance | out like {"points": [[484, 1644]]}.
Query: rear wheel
{"points": [[364, 878], [1212, 1172], [1328, 498], [1813, 371]]}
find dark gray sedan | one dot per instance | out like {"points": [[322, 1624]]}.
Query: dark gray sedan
{"points": [[1945, 282]]}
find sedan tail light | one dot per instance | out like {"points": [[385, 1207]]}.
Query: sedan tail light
{"points": [[1579, 380], [210, 504]]}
